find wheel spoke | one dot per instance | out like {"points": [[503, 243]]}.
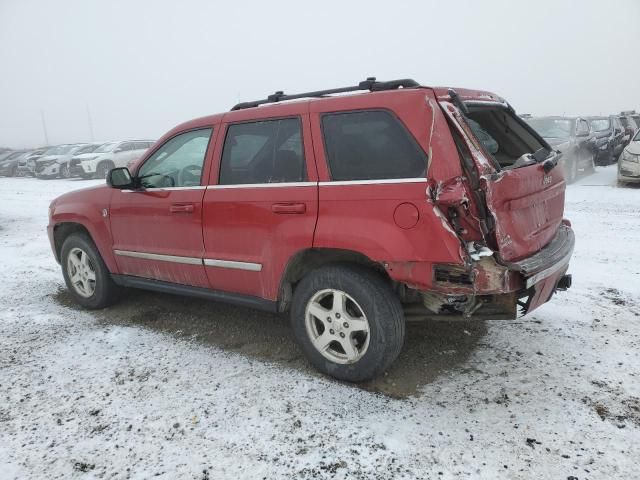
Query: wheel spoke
{"points": [[75, 278], [358, 325], [339, 303], [323, 341], [91, 275], [84, 259], [74, 261], [319, 312], [349, 349]]}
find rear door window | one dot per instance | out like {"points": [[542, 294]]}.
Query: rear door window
{"points": [[263, 152], [370, 145]]}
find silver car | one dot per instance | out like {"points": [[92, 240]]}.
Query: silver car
{"points": [[629, 163]]}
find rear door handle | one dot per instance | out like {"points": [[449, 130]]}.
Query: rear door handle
{"points": [[288, 208], [182, 208]]}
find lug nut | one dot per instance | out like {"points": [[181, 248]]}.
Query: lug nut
{"points": [[342, 334], [329, 319], [331, 332], [337, 315], [345, 325]]}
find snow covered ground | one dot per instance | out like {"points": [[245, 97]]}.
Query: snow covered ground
{"points": [[158, 386]]}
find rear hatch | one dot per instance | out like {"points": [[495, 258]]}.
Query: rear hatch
{"points": [[523, 191]]}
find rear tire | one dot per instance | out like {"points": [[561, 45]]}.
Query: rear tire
{"points": [[348, 321], [86, 274]]}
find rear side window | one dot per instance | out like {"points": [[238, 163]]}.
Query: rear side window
{"points": [[370, 145], [263, 152]]}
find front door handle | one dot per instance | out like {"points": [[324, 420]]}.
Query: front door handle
{"points": [[182, 208], [289, 208]]}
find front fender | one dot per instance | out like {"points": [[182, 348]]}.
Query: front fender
{"points": [[89, 209]]}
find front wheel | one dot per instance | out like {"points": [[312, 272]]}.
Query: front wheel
{"points": [[86, 274], [103, 169], [348, 322], [65, 172]]}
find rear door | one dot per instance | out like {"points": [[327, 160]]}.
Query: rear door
{"points": [[527, 204], [261, 206]]}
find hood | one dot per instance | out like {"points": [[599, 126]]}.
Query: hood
{"points": [[633, 148], [85, 156], [49, 157], [77, 195]]}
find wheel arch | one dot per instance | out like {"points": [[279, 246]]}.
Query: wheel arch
{"points": [[61, 232], [308, 260]]}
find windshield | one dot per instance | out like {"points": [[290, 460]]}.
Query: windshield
{"points": [[600, 124], [60, 150], [86, 149], [551, 127], [107, 147]]}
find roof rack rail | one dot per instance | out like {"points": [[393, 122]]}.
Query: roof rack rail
{"points": [[370, 84]]}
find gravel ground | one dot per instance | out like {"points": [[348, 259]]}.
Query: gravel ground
{"points": [[181, 388]]}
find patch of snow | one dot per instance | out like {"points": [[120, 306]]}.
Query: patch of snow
{"points": [[548, 396]]}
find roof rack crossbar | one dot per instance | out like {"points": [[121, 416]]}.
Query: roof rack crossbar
{"points": [[369, 84]]}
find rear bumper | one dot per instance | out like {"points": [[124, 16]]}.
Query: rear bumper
{"points": [[548, 261], [496, 289]]}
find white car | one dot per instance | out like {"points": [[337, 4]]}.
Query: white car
{"points": [[111, 155], [55, 161], [629, 162]]}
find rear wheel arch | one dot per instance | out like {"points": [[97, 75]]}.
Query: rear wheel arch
{"points": [[309, 260]]}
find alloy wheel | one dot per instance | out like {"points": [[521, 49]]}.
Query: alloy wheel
{"points": [[82, 273], [337, 326]]}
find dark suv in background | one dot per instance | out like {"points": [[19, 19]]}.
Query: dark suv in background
{"points": [[609, 138], [570, 135]]}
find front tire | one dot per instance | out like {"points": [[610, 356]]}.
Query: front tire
{"points": [[65, 172], [103, 168], [86, 274], [348, 321]]}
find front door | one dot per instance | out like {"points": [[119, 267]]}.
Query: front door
{"points": [[263, 206], [157, 230]]}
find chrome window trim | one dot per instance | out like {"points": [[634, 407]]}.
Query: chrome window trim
{"points": [[374, 182], [158, 256], [262, 185], [162, 189], [252, 267]]}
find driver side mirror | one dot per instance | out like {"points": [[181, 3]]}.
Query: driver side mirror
{"points": [[120, 178]]}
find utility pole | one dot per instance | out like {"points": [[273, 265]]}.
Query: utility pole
{"points": [[90, 123], [44, 128]]}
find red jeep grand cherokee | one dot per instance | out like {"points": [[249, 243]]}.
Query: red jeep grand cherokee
{"points": [[353, 212]]}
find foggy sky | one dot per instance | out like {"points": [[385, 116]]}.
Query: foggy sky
{"points": [[141, 67]]}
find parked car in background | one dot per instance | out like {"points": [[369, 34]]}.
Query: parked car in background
{"points": [[449, 208], [83, 153], [27, 163], [55, 161], [572, 136], [9, 164], [629, 162], [110, 155], [608, 139], [630, 121]]}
